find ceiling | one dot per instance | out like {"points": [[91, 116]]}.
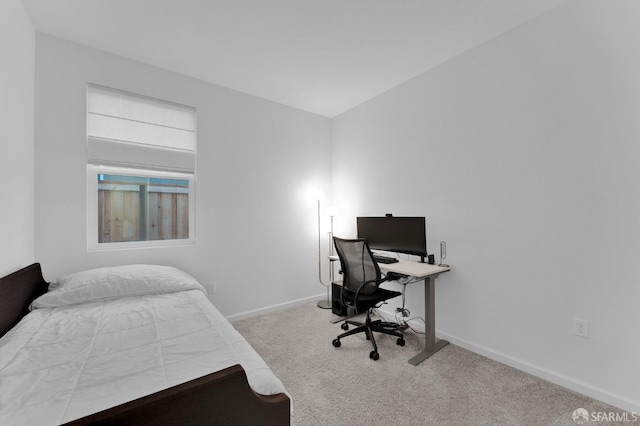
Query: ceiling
{"points": [[322, 56]]}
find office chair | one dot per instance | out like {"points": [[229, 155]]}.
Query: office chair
{"points": [[361, 279]]}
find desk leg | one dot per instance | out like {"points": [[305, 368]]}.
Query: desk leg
{"points": [[431, 344]]}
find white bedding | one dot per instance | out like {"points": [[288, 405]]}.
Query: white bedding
{"points": [[65, 362]]}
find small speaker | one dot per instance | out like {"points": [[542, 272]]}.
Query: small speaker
{"points": [[336, 306], [443, 252]]}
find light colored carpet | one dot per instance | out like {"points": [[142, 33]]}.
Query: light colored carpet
{"points": [[342, 386]]}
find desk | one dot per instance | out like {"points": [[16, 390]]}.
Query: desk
{"points": [[429, 273]]}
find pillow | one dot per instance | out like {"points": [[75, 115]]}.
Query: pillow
{"points": [[115, 282]]}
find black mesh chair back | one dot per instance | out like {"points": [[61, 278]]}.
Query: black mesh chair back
{"points": [[359, 270]]}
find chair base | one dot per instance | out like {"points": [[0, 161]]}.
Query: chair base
{"points": [[369, 327]]}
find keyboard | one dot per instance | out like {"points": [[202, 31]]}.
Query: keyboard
{"points": [[384, 259]]}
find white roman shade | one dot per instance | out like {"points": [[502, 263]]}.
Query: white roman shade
{"points": [[132, 130]]}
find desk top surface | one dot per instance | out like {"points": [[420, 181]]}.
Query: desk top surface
{"points": [[414, 269], [410, 267]]}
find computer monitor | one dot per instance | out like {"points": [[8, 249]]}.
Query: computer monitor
{"points": [[398, 234]]}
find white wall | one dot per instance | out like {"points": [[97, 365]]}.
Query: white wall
{"points": [[524, 155], [17, 47], [256, 160]]}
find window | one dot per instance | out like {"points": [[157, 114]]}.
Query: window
{"points": [[138, 208], [140, 172]]}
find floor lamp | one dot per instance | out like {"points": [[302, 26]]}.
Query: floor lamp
{"points": [[325, 304]]}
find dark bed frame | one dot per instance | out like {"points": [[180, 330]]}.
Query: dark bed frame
{"points": [[220, 398]]}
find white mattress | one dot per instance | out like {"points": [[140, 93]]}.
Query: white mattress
{"points": [[62, 363]]}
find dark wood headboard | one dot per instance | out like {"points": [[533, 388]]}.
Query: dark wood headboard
{"points": [[17, 291]]}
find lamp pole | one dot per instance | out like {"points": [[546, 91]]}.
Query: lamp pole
{"points": [[324, 304]]}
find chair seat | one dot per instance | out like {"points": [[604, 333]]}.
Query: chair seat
{"points": [[371, 299]]}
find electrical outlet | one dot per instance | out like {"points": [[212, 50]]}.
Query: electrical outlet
{"points": [[212, 287], [581, 327]]}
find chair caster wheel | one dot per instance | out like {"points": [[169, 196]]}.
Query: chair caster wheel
{"points": [[344, 326], [374, 355], [336, 343], [400, 341]]}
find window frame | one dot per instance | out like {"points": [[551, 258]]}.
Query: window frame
{"points": [[93, 170]]}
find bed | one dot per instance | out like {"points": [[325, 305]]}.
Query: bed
{"points": [[136, 344]]}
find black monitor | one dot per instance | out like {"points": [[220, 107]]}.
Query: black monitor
{"points": [[398, 234]]}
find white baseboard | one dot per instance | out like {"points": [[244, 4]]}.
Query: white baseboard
{"points": [[274, 308], [571, 383]]}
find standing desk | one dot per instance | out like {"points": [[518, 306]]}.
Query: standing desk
{"points": [[429, 273]]}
